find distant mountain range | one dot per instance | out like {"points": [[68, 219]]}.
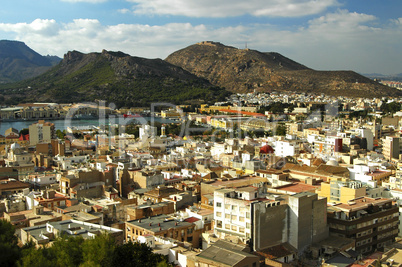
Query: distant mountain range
{"points": [[201, 73], [393, 77], [246, 70], [19, 62]]}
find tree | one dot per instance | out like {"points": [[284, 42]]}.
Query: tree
{"points": [[67, 251], [280, 130], [60, 134], [33, 257], [136, 254], [9, 251], [391, 107], [24, 131], [98, 251]]}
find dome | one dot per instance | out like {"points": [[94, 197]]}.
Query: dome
{"points": [[267, 149], [332, 162]]}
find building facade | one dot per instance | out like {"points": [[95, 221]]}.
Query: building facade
{"points": [[41, 132], [371, 222]]}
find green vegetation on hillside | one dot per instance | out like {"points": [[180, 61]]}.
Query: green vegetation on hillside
{"points": [[123, 83], [391, 107], [277, 108]]}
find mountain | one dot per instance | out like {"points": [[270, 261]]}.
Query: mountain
{"points": [[115, 77], [393, 77], [18, 61], [246, 70]]}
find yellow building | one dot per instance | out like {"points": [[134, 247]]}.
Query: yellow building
{"points": [[41, 132], [339, 191], [171, 113], [309, 131], [208, 109]]}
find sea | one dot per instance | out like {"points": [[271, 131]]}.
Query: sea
{"points": [[84, 123]]}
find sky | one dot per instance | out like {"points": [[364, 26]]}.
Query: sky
{"points": [[360, 35]]}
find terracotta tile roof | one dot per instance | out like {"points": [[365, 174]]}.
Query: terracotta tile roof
{"points": [[13, 185], [275, 252], [298, 188], [24, 137], [361, 203], [191, 219], [322, 169]]}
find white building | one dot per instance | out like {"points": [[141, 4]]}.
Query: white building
{"points": [[286, 148], [232, 212], [147, 131]]}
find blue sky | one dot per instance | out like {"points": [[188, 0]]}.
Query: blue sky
{"points": [[360, 35]]}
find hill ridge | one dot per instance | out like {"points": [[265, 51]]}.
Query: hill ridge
{"points": [[246, 70], [115, 77], [19, 62]]}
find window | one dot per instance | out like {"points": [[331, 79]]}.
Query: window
{"points": [[219, 224], [234, 228], [234, 207], [218, 204], [241, 219], [227, 226], [248, 215], [233, 217], [218, 214], [227, 206], [248, 225], [227, 216]]}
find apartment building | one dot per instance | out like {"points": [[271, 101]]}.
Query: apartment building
{"points": [[391, 147], [324, 145], [232, 212], [254, 219], [371, 222], [41, 132], [162, 226], [287, 148], [340, 191], [42, 235]]}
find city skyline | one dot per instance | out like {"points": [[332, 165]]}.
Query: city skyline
{"points": [[363, 36]]}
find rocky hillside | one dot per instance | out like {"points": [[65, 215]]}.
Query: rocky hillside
{"points": [[18, 61], [245, 70], [115, 77]]}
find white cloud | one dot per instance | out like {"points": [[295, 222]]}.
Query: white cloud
{"points": [[230, 8], [397, 21], [339, 40], [43, 27], [89, 35], [124, 11]]}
